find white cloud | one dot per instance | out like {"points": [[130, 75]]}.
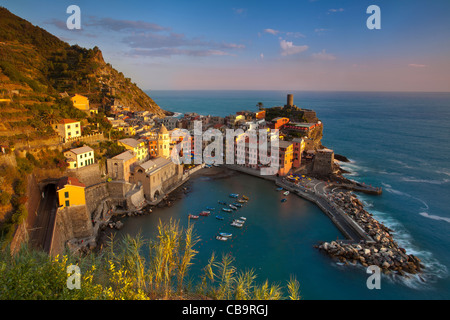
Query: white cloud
{"points": [[288, 48], [323, 55], [415, 65], [272, 31], [261, 56], [336, 10]]}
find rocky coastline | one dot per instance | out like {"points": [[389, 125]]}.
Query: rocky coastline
{"points": [[383, 251]]}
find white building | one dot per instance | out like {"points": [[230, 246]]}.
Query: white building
{"points": [[68, 128], [80, 157]]}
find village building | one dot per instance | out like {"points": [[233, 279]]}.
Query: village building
{"points": [[80, 102], [71, 192], [324, 162], [68, 129], [120, 166], [79, 157], [137, 146]]}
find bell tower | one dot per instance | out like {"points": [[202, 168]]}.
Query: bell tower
{"points": [[163, 142]]}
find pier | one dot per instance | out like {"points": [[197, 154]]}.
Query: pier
{"points": [[318, 194]]}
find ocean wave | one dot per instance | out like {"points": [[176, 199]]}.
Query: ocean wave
{"points": [[389, 189], [434, 217], [433, 271], [403, 164], [439, 182]]}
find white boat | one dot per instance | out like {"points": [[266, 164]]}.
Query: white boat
{"points": [[286, 193], [224, 234], [232, 207], [239, 221], [236, 224], [221, 238], [243, 218]]}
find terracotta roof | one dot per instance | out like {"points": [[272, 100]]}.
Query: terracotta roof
{"points": [[69, 181], [68, 121]]}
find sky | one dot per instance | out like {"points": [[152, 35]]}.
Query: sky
{"points": [[260, 45]]}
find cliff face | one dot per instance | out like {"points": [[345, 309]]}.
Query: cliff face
{"points": [[36, 66]]}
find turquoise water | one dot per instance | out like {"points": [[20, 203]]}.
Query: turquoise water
{"points": [[399, 141]]}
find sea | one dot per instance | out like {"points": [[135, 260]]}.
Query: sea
{"points": [[396, 140]]}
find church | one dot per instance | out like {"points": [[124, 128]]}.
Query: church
{"points": [[159, 175]]}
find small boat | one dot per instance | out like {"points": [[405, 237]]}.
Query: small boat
{"points": [[279, 189], [210, 208], [222, 202], [224, 234], [191, 216], [232, 207], [243, 218], [283, 200], [242, 201], [236, 224], [219, 217], [234, 195], [237, 205], [244, 197], [239, 221], [204, 213], [226, 210], [286, 193], [221, 238]]}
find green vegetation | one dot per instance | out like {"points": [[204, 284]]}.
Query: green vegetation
{"points": [[17, 178], [122, 271]]}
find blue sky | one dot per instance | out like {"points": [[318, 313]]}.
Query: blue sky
{"points": [[261, 45]]}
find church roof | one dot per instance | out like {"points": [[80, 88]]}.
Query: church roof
{"points": [[163, 129]]}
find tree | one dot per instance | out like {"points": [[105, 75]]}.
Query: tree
{"points": [[260, 105]]}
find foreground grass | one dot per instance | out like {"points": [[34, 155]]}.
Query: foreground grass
{"points": [[122, 272]]}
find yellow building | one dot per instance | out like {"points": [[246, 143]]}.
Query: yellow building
{"points": [[70, 192], [137, 146], [68, 128], [163, 142], [80, 102]]}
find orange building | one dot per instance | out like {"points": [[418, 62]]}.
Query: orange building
{"points": [[278, 122], [260, 114], [286, 157]]}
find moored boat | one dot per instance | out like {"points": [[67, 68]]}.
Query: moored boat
{"points": [[219, 217], [234, 195], [226, 210], [210, 208], [237, 224], [225, 234], [237, 205], [239, 221], [222, 202], [232, 207], [245, 197], [191, 216], [279, 189], [286, 193], [283, 200], [242, 201], [204, 213], [243, 218], [221, 238]]}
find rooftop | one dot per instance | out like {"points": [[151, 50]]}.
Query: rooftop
{"points": [[127, 155], [81, 150], [69, 181], [130, 142]]}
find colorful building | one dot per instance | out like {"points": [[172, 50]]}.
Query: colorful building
{"points": [[286, 157], [137, 146], [68, 128], [80, 102], [299, 147], [71, 192], [277, 123], [80, 157]]}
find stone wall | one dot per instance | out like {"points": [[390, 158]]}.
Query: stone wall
{"points": [[71, 222], [89, 175]]}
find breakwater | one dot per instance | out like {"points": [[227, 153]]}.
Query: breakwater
{"points": [[368, 241]]}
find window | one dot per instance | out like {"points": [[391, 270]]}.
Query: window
{"points": [[67, 203], [66, 194]]}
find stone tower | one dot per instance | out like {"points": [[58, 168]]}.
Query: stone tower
{"points": [[163, 142]]}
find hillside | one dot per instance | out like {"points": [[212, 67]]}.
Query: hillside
{"points": [[35, 67]]}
